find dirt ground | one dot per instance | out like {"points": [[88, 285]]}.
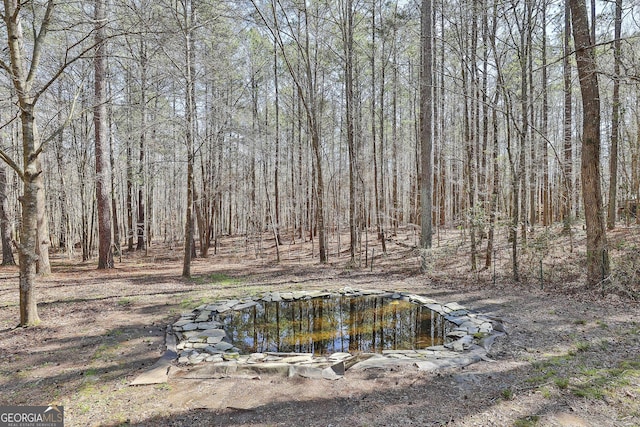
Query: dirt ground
{"points": [[571, 358]]}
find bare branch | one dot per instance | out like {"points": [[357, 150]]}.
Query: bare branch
{"points": [[38, 44], [58, 131], [13, 165]]}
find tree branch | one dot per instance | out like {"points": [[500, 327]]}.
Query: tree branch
{"points": [[13, 165], [38, 44], [58, 131]]}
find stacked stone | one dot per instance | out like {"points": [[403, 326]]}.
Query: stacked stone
{"points": [[202, 339]]}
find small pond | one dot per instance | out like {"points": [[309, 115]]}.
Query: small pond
{"points": [[336, 323]]}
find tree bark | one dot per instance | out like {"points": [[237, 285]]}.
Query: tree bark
{"points": [[31, 174], [567, 207], [426, 134], [615, 119], [189, 22], [105, 255], [597, 255], [5, 223]]}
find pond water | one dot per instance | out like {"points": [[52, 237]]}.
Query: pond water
{"points": [[335, 324]]}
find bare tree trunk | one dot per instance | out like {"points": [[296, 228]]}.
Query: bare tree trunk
{"points": [[105, 255], [5, 223], [546, 191], [31, 174], [130, 227], [188, 28], [114, 201], [567, 208], [426, 135], [496, 181], [140, 226], [597, 255], [347, 37], [615, 119], [276, 167]]}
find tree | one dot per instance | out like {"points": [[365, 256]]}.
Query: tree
{"points": [[567, 206], [103, 180], [5, 223], [347, 27], [615, 118], [188, 26], [597, 255], [23, 73], [426, 133]]}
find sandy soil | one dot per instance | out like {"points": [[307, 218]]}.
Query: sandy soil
{"points": [[572, 356]]}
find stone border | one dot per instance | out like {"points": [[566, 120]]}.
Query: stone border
{"points": [[201, 339]]}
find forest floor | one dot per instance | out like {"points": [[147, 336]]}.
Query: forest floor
{"points": [[571, 358]]}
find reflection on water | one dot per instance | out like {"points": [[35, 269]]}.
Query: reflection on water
{"points": [[336, 324]]}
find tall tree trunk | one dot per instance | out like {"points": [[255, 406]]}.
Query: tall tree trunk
{"points": [[31, 174], [276, 167], [5, 223], [140, 226], [597, 255], [615, 119], [129, 165], [567, 207], [426, 135], [105, 255], [546, 190], [114, 200], [189, 23], [347, 37]]}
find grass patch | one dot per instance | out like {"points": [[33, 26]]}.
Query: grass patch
{"points": [[530, 421], [561, 383], [582, 346], [507, 394], [218, 279], [191, 303], [125, 301]]}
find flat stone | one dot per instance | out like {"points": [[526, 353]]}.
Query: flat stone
{"points": [[435, 307], [182, 322], [319, 294], [189, 326], [453, 306], [223, 346], [421, 300], [372, 292], [200, 345], [299, 295], [214, 340], [223, 306], [340, 356], [245, 305], [296, 359], [212, 333], [209, 349], [428, 365], [230, 356], [287, 296], [275, 297], [280, 369], [380, 363], [210, 325], [457, 334], [305, 371]]}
